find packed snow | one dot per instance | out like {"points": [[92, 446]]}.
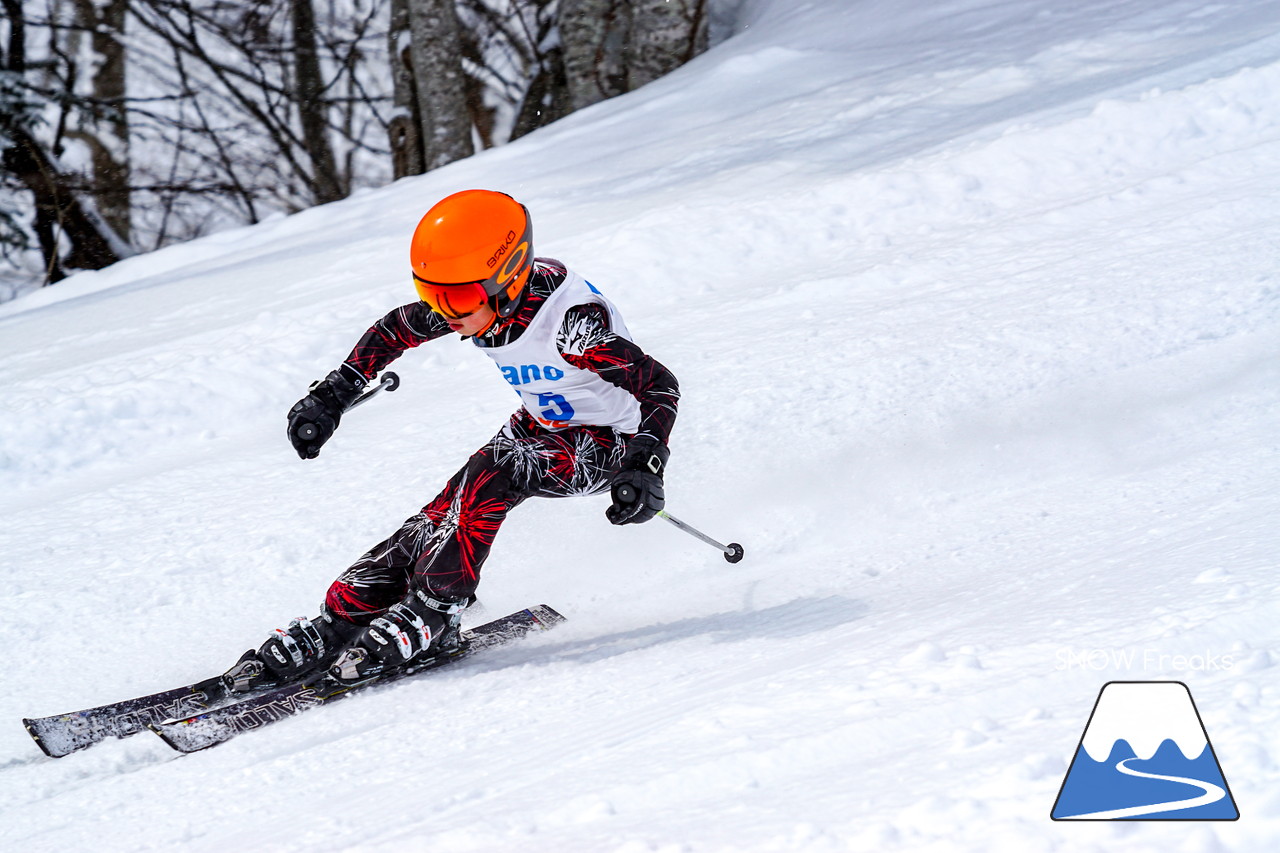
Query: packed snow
{"points": [[975, 311]]}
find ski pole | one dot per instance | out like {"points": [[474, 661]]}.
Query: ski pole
{"points": [[732, 552], [388, 382]]}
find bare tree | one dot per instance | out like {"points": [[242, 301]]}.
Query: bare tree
{"points": [[283, 96], [178, 117], [664, 35], [62, 208], [102, 123], [595, 34], [313, 110], [615, 46], [404, 129], [439, 83], [516, 65]]}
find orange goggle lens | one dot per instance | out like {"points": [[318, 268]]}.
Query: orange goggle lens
{"points": [[454, 301]]}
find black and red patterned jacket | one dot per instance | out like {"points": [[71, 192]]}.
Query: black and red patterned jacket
{"points": [[615, 359]]}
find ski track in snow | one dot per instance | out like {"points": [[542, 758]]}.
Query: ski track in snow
{"points": [[975, 313]]}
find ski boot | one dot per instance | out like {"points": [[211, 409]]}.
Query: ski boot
{"points": [[418, 628], [291, 653]]}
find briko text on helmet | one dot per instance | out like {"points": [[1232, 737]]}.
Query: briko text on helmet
{"points": [[502, 250]]}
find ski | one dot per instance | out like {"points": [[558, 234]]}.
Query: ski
{"points": [[59, 735], [206, 728], [63, 734]]}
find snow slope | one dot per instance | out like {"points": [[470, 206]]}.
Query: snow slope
{"points": [[975, 310]]}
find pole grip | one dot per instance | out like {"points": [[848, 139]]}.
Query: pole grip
{"points": [[389, 382]]}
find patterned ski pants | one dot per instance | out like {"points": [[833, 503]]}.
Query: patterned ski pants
{"points": [[443, 547]]}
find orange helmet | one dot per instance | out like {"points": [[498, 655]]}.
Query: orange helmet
{"points": [[473, 247]]}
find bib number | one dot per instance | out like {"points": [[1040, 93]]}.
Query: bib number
{"points": [[559, 408]]}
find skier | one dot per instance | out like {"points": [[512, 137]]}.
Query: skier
{"points": [[596, 415]]}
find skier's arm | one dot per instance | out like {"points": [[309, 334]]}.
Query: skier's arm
{"points": [[586, 341], [313, 419], [404, 328]]}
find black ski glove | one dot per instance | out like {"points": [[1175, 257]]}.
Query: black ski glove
{"points": [[313, 419], [637, 487]]}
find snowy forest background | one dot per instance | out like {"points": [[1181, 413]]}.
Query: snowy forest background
{"points": [[128, 125]]}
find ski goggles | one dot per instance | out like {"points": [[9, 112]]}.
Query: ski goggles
{"points": [[454, 301], [513, 264]]}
